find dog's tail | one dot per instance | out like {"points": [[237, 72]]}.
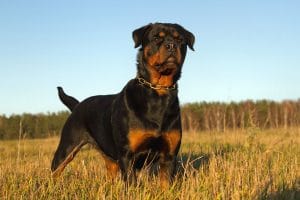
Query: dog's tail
{"points": [[69, 101]]}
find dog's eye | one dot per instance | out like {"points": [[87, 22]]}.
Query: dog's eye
{"points": [[156, 38], [179, 40]]}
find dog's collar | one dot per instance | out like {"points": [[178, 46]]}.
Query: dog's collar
{"points": [[156, 87]]}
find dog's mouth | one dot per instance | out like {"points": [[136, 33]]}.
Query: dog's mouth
{"points": [[167, 67]]}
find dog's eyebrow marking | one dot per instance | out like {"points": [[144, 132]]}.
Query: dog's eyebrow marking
{"points": [[162, 34], [175, 34]]}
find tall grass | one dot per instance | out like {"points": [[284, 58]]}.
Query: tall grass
{"points": [[250, 164]]}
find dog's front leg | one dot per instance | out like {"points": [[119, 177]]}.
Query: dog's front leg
{"points": [[167, 165], [127, 168]]}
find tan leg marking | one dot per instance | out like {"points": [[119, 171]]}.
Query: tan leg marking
{"points": [[172, 138], [164, 180], [112, 167]]}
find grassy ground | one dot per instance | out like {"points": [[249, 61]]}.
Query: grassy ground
{"points": [[250, 164]]}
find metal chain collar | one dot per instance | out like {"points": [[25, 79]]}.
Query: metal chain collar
{"points": [[156, 87]]}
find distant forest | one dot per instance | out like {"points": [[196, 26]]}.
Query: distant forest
{"points": [[261, 114], [201, 116]]}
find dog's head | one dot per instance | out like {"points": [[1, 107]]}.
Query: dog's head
{"points": [[162, 52]]}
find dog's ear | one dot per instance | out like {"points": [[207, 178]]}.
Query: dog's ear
{"points": [[139, 34], [189, 37]]}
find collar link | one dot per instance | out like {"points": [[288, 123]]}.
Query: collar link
{"points": [[156, 87]]}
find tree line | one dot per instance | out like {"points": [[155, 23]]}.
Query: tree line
{"points": [[262, 114], [32, 125], [201, 116]]}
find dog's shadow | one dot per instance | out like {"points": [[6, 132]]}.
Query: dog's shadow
{"points": [[190, 164], [187, 165]]}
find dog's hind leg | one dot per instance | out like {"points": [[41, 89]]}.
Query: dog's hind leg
{"points": [[67, 149], [63, 157], [112, 167]]}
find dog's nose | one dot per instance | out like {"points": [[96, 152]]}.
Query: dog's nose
{"points": [[171, 47]]}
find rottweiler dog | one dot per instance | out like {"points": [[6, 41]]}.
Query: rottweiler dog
{"points": [[142, 123]]}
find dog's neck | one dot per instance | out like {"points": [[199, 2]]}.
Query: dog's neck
{"points": [[145, 83], [141, 67]]}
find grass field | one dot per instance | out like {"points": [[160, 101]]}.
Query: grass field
{"points": [[249, 164]]}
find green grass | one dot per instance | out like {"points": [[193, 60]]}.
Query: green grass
{"points": [[250, 164]]}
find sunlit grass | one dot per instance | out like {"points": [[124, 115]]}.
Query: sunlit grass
{"points": [[249, 164]]}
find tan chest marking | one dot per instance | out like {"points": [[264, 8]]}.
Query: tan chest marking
{"points": [[172, 138], [137, 137]]}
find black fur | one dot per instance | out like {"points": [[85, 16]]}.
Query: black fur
{"points": [[107, 120], [69, 101]]}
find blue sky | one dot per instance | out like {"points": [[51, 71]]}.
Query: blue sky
{"points": [[244, 49]]}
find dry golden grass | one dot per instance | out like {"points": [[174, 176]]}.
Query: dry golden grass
{"points": [[250, 164]]}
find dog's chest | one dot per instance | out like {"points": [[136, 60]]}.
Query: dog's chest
{"points": [[143, 140], [156, 110], [144, 137], [146, 109]]}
